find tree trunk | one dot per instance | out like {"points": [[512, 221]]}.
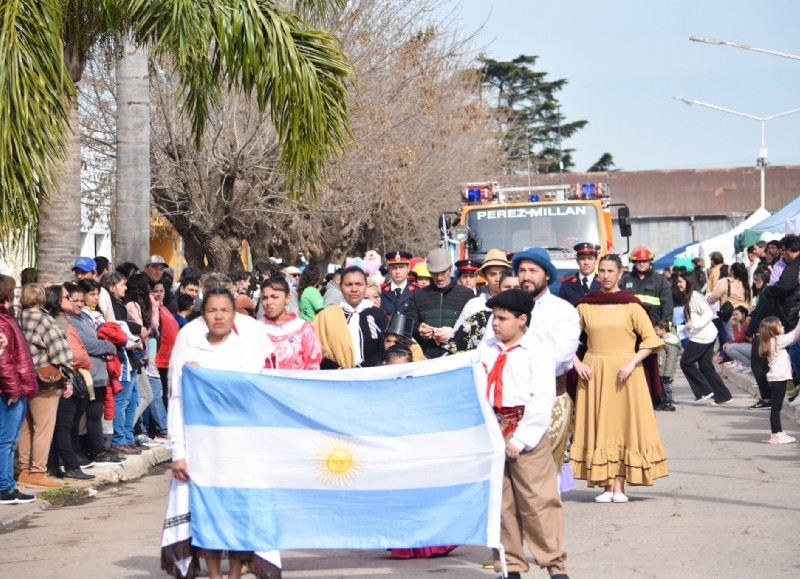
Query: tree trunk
{"points": [[132, 223], [219, 251], [193, 251], [59, 230]]}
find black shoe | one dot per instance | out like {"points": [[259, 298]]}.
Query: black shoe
{"points": [[14, 497], [8, 497], [23, 498], [107, 458], [562, 575], [55, 473], [77, 473], [85, 462], [760, 405], [511, 575]]}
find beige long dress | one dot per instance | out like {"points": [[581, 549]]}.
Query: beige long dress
{"points": [[615, 426]]}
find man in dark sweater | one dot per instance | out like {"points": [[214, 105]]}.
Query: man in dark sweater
{"points": [[436, 308], [776, 300]]}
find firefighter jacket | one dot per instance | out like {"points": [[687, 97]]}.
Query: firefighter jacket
{"points": [[653, 290]]}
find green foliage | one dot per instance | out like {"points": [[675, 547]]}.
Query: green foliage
{"points": [[603, 164], [297, 73], [528, 114], [34, 109]]}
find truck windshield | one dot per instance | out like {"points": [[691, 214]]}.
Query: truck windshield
{"points": [[514, 228]]}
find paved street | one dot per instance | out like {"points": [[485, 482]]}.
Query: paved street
{"points": [[728, 509]]}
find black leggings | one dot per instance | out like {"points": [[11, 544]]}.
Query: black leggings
{"points": [[777, 392], [94, 421], [62, 446], [760, 367]]}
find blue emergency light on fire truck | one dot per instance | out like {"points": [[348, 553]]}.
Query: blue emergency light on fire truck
{"points": [[556, 217]]}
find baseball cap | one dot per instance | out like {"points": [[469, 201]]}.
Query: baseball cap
{"points": [[86, 264]]}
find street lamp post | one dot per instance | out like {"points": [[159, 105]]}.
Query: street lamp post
{"points": [[762, 154], [717, 42]]}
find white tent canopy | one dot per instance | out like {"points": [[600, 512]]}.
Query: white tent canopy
{"points": [[724, 243]]}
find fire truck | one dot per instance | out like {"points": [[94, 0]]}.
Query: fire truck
{"points": [[556, 217]]}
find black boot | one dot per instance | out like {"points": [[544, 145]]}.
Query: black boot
{"points": [[77, 473]]}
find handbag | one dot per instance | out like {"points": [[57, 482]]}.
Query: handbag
{"points": [[726, 310], [80, 386], [49, 377]]}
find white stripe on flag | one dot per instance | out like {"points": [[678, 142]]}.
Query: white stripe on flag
{"points": [[294, 458]]}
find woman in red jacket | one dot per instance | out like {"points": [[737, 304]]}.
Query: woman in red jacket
{"points": [[17, 384]]}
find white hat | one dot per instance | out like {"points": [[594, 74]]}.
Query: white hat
{"points": [[156, 260]]}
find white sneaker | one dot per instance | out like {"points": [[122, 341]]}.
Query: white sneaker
{"points": [[145, 440], [781, 438], [703, 398], [606, 497], [619, 498]]}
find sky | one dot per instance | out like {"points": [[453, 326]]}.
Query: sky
{"points": [[626, 59]]}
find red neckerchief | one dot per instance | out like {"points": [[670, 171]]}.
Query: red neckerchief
{"points": [[496, 377]]}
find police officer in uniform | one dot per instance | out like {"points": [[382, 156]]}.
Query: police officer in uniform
{"points": [[577, 285], [652, 289], [467, 274], [395, 294]]}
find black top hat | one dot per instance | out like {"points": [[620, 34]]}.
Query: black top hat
{"points": [[402, 326]]}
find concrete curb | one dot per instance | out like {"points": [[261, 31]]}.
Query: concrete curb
{"points": [[134, 467], [743, 382]]}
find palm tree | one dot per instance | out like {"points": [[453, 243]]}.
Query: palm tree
{"points": [[132, 216], [296, 72]]}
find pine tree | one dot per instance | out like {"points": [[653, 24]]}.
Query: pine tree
{"points": [[528, 115]]}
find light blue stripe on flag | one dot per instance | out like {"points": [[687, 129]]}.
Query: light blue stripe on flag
{"points": [[393, 407], [264, 519]]}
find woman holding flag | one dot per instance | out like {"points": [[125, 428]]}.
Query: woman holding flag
{"points": [[221, 340]]}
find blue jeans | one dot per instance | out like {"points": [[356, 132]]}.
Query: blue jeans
{"points": [[794, 356], [125, 412], [155, 413], [11, 418]]}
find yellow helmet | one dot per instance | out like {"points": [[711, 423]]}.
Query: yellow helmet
{"points": [[421, 269]]}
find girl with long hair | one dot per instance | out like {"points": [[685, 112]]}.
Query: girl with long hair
{"points": [[697, 359], [772, 346], [295, 340]]}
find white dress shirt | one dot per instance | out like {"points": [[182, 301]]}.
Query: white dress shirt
{"points": [[529, 380], [558, 323]]}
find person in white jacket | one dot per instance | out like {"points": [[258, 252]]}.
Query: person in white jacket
{"points": [[697, 360], [521, 388], [222, 340]]}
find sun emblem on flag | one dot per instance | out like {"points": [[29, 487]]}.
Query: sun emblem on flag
{"points": [[338, 461]]}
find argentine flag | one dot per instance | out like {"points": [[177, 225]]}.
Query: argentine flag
{"points": [[406, 455]]}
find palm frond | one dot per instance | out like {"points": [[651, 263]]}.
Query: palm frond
{"points": [[34, 108], [297, 73]]}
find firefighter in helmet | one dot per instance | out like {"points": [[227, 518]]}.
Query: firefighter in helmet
{"points": [[652, 289]]}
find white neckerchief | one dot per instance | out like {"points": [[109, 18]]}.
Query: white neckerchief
{"points": [[353, 318]]}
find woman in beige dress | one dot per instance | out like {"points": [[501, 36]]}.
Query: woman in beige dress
{"points": [[616, 437]]}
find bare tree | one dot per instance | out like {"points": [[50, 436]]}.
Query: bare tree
{"points": [[418, 131]]}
